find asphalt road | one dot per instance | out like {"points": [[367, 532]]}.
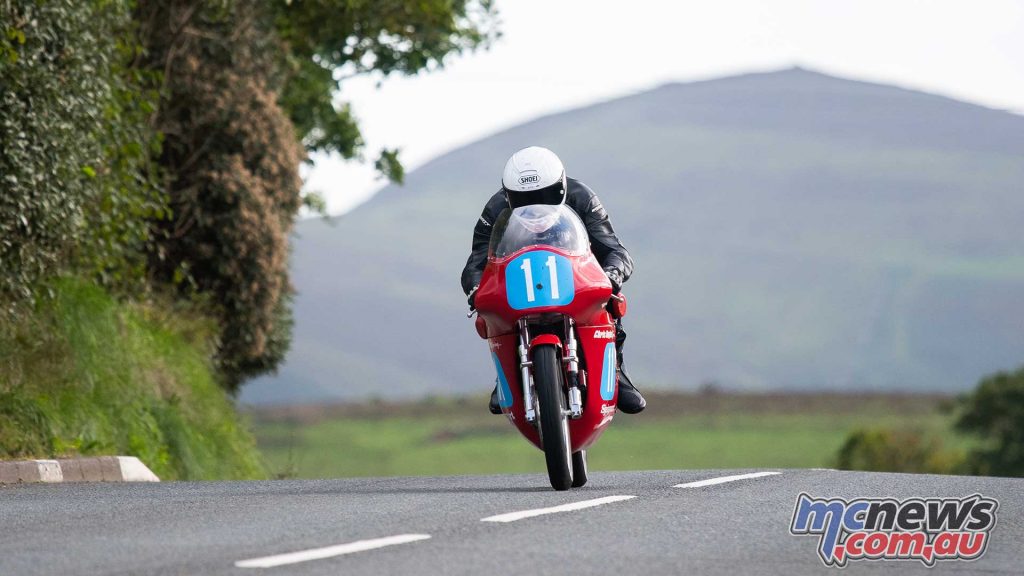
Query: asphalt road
{"points": [[734, 527]]}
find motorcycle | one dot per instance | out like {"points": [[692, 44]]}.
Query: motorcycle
{"points": [[547, 310]]}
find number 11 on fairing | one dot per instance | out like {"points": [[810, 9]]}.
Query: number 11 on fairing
{"points": [[527, 269]]}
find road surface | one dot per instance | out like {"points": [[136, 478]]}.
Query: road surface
{"points": [[659, 522]]}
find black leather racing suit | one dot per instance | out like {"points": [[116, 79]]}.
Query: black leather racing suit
{"points": [[605, 245], [610, 253]]}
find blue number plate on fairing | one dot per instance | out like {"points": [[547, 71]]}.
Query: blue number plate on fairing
{"points": [[539, 278]]}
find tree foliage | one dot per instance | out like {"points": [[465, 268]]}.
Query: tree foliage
{"points": [[222, 94], [245, 83], [76, 189], [329, 40], [994, 411], [231, 159]]}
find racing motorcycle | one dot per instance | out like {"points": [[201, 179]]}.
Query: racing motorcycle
{"points": [[547, 310]]}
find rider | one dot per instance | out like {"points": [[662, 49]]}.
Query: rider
{"points": [[535, 175]]}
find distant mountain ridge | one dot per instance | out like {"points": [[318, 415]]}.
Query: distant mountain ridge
{"points": [[792, 230]]}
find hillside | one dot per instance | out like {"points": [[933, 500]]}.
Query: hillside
{"points": [[791, 230]]}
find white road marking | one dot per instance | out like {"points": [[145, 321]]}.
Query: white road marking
{"points": [[328, 552], [724, 479], [513, 516]]}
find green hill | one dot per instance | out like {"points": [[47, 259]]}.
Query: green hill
{"points": [[791, 230]]}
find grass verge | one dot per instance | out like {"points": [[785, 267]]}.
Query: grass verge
{"points": [[88, 375]]}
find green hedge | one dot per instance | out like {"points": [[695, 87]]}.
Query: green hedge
{"points": [[75, 185]]}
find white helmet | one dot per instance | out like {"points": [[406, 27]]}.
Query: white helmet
{"points": [[534, 175]]}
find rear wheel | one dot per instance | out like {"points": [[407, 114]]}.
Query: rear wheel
{"points": [[554, 421], [579, 468]]}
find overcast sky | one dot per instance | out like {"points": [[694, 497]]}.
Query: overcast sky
{"points": [[559, 54]]}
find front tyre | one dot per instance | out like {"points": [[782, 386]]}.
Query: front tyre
{"points": [[554, 418], [579, 468]]}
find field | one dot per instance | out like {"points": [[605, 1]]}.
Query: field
{"points": [[711, 430]]}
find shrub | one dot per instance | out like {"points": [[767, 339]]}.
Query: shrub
{"points": [[994, 411], [884, 450]]}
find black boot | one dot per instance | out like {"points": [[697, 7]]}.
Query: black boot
{"points": [[630, 399], [494, 407]]}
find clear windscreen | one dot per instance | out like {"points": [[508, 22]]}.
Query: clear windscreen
{"points": [[538, 225]]}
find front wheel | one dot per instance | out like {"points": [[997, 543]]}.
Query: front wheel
{"points": [[554, 419]]}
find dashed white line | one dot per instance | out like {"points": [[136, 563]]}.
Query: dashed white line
{"points": [[513, 516], [724, 479], [328, 552]]}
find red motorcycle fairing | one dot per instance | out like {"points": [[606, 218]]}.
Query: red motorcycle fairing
{"points": [[593, 290], [595, 347]]}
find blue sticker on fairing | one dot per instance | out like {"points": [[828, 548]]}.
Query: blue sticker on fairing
{"points": [[608, 373], [504, 392], [539, 278]]}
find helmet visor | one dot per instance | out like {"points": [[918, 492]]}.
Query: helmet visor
{"points": [[553, 195]]}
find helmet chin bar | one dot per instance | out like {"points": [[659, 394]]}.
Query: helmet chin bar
{"points": [[552, 195]]}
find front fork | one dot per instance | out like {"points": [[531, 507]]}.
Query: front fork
{"points": [[570, 361], [524, 369]]}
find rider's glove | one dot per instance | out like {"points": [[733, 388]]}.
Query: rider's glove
{"points": [[471, 298], [615, 277]]}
